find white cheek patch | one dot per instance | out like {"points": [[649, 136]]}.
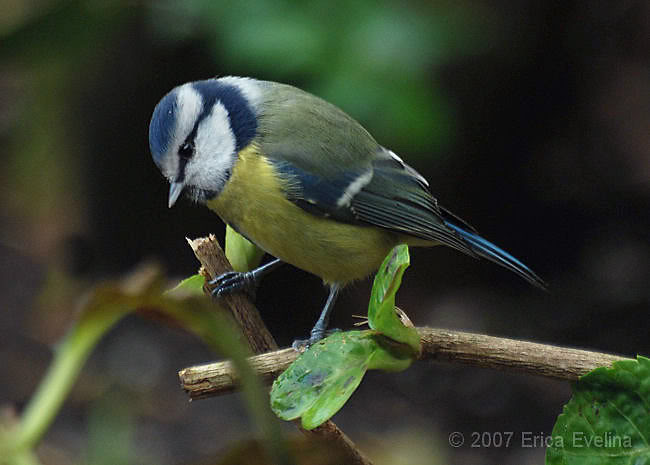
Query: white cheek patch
{"points": [[354, 188], [214, 150]]}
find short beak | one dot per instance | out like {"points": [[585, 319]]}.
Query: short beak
{"points": [[175, 191]]}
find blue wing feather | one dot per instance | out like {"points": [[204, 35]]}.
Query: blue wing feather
{"points": [[316, 194], [488, 250]]}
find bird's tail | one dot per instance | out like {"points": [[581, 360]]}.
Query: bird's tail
{"points": [[486, 249]]}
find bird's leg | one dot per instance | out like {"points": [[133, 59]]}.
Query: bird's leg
{"points": [[320, 328], [236, 281]]}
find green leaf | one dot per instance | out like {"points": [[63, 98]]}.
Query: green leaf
{"points": [[188, 287], [381, 309], [389, 355], [242, 254], [322, 379], [607, 421]]}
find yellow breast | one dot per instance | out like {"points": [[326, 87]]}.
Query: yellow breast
{"points": [[253, 202]]}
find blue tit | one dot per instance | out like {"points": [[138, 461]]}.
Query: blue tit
{"points": [[303, 181]]}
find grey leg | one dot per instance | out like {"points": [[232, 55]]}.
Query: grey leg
{"points": [[318, 331]]}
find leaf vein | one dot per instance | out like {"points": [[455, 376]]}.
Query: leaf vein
{"points": [[645, 440]]}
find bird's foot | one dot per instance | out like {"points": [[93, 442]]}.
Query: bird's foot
{"points": [[233, 282], [316, 335]]}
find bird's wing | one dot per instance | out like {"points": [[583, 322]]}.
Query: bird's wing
{"points": [[398, 198], [387, 193], [333, 167]]}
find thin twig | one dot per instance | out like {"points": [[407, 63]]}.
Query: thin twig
{"points": [[214, 263], [511, 355], [437, 344]]}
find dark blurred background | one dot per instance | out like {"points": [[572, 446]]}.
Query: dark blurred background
{"points": [[530, 119]]}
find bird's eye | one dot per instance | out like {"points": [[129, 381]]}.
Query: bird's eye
{"points": [[186, 150]]}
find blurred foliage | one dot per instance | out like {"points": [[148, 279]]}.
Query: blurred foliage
{"points": [[141, 291], [112, 417], [51, 52], [376, 60]]}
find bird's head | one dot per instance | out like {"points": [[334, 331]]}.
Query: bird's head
{"points": [[196, 131]]}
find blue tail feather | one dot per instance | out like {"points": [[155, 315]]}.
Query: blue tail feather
{"points": [[488, 250]]}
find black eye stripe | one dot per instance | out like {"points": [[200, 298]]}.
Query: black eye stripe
{"points": [[180, 175], [186, 151]]}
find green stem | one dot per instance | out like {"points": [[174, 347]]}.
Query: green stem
{"points": [[26, 457], [70, 357]]}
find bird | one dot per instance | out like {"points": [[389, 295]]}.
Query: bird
{"points": [[302, 180]]}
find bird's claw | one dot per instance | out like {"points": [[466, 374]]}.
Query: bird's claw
{"points": [[315, 336], [233, 282]]}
